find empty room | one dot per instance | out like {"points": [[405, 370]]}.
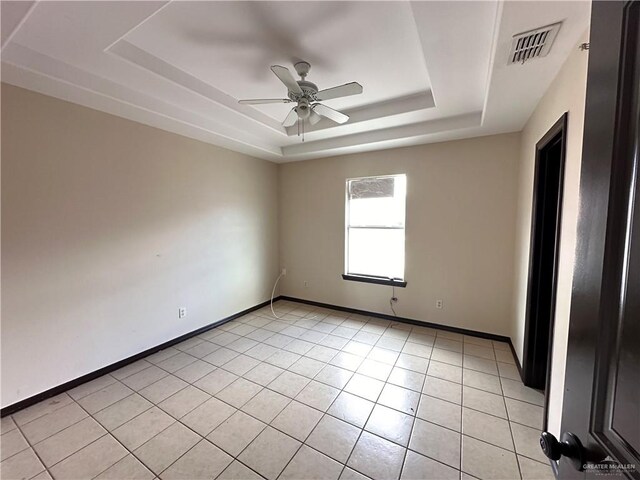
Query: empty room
{"points": [[320, 240]]}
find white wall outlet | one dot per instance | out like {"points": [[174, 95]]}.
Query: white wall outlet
{"points": [[439, 304], [182, 312], [283, 272]]}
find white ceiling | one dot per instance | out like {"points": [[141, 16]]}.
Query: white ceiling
{"points": [[431, 71]]}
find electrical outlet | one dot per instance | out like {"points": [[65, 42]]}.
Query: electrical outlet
{"points": [[182, 312], [306, 284], [439, 304], [283, 272]]}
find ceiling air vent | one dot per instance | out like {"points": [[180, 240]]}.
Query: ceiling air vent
{"points": [[533, 44]]}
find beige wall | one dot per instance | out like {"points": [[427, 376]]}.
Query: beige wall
{"points": [[566, 94], [108, 226], [461, 199]]}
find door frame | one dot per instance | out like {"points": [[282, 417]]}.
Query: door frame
{"points": [[531, 343]]}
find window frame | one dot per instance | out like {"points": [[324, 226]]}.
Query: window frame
{"points": [[374, 279]]}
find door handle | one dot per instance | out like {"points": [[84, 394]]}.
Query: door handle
{"points": [[569, 447]]}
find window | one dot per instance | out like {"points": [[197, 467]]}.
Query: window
{"points": [[375, 214]]}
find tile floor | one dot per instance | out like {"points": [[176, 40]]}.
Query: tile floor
{"points": [[318, 394]]}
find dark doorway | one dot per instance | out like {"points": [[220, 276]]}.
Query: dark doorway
{"points": [[543, 261]]}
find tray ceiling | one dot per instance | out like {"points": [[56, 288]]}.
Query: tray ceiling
{"points": [[431, 71]]}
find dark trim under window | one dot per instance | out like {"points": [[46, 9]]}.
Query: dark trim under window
{"points": [[376, 280]]}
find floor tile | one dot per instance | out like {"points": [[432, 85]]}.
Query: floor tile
{"points": [[527, 442], [447, 356], [45, 426], [377, 458], [203, 462], [11, 443], [390, 424], [261, 351], [504, 356], [269, 453], [91, 387], [482, 381], [375, 369], [318, 395], [225, 338], [365, 387], [144, 378], [516, 389], [92, 460], [21, 465], [413, 362], [195, 371], [43, 408], [346, 360], [421, 338], [406, 379], [436, 442], [190, 343], [351, 474], [508, 370], [162, 355], [166, 447], [370, 338], [501, 346], [176, 362], [266, 405], [334, 437], [445, 371], [450, 335], [7, 424], [220, 356], [236, 432], [263, 374], [129, 468], [238, 471], [484, 401], [181, 403], [383, 355], [322, 353], [351, 409], [417, 349], [299, 346], [480, 364], [239, 392], [399, 398], [297, 420], [440, 412], [209, 415], [278, 340], [283, 359], [483, 342], [444, 389], [68, 441], [448, 344], [390, 343], [142, 428], [334, 376], [307, 367], [532, 470], [289, 384], [525, 413], [163, 389], [333, 341], [487, 428], [310, 464], [479, 351], [130, 369], [486, 461], [216, 381], [419, 467], [260, 335], [241, 364]]}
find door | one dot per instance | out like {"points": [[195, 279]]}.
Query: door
{"points": [[543, 263], [601, 408]]}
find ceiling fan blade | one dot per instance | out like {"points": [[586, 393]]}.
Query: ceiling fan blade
{"points": [[261, 101], [353, 88], [285, 77], [314, 118], [291, 119], [330, 113]]}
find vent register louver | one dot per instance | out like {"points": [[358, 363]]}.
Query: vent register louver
{"points": [[533, 44]]}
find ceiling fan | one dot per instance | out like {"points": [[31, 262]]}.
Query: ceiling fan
{"points": [[307, 96]]}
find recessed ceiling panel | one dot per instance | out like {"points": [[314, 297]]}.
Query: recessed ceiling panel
{"points": [[230, 45]]}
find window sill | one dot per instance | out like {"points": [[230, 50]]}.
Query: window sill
{"points": [[375, 280]]}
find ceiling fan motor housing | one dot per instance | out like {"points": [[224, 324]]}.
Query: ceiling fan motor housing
{"points": [[309, 91]]}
